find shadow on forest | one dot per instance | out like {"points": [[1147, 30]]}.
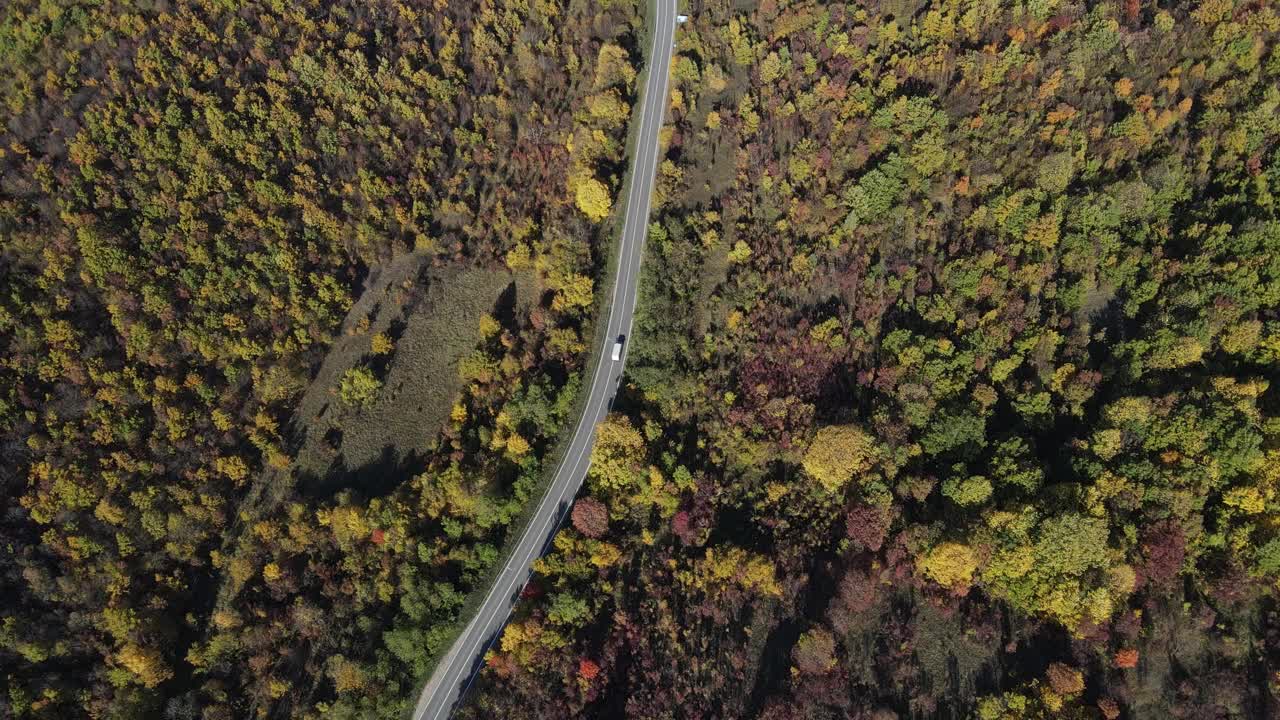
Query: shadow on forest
{"points": [[372, 479], [775, 661], [504, 308]]}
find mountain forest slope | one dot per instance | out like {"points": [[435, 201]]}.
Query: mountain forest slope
{"points": [[236, 236], [952, 390], [953, 387]]}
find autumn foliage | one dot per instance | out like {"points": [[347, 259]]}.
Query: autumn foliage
{"points": [[952, 387], [202, 204], [590, 517], [951, 391], [1126, 659]]}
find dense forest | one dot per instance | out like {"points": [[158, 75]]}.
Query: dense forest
{"points": [[949, 394], [216, 215], [951, 386]]}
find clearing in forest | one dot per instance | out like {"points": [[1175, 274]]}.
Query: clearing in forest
{"points": [[385, 389]]}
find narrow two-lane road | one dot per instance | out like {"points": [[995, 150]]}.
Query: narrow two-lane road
{"points": [[458, 668]]}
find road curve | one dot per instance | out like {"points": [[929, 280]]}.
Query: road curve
{"points": [[458, 668]]}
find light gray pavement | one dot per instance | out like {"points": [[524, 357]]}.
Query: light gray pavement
{"points": [[458, 668]]}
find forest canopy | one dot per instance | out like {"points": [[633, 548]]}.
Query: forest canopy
{"points": [[953, 377], [234, 237], [951, 392]]}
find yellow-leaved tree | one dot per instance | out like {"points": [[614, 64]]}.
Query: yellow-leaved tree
{"points": [[573, 291], [593, 198], [618, 458], [836, 453], [951, 565], [145, 663]]}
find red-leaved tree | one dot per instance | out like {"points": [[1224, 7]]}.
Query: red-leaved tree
{"points": [[591, 517]]}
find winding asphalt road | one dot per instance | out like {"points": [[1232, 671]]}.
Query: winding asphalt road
{"points": [[455, 672]]}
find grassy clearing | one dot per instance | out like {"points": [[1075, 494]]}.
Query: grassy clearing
{"points": [[431, 321]]}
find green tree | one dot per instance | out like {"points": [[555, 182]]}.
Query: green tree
{"points": [[358, 387]]}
